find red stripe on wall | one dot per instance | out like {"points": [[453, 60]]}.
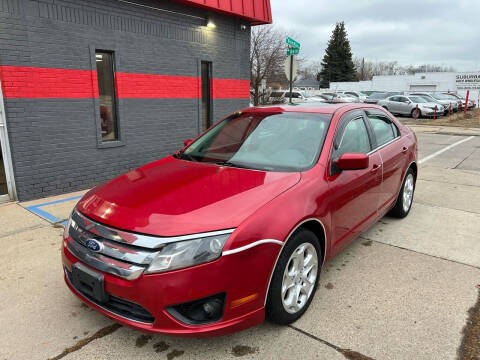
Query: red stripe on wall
{"points": [[36, 82], [144, 86], [230, 89]]}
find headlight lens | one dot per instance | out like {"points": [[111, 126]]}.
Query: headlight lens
{"points": [[182, 254], [66, 231]]}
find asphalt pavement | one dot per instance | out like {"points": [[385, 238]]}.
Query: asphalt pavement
{"points": [[403, 290]]}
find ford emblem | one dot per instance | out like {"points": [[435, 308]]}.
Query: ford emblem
{"points": [[93, 245]]}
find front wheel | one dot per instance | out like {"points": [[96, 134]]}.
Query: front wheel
{"points": [[405, 197], [295, 278], [416, 113]]}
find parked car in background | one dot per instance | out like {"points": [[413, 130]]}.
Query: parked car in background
{"points": [[375, 97], [356, 94], [455, 98], [470, 105], [283, 97], [456, 105], [445, 102], [339, 97], [238, 224], [414, 106]]}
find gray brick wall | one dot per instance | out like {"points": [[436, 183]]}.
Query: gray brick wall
{"points": [[54, 141]]}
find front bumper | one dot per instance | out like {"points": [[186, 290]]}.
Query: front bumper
{"points": [[238, 275], [431, 112]]}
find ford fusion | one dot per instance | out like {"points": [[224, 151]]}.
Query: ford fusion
{"points": [[235, 227]]}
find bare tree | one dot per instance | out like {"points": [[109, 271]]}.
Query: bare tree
{"points": [[309, 69], [267, 55]]}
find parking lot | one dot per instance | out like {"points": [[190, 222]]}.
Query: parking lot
{"points": [[403, 290]]}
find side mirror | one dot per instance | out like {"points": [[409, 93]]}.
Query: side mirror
{"points": [[187, 142], [352, 161]]}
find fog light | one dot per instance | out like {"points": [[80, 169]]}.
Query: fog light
{"points": [[201, 311]]}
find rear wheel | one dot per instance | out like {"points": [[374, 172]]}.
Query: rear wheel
{"points": [[295, 278], [405, 197]]}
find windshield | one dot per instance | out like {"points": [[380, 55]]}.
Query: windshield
{"points": [[263, 141], [418, 99]]}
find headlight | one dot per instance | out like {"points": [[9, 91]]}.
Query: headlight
{"points": [[66, 231], [187, 253]]}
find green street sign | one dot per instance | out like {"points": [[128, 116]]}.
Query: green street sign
{"points": [[292, 51], [292, 42]]}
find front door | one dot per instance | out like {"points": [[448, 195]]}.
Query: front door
{"points": [[355, 193], [404, 105]]}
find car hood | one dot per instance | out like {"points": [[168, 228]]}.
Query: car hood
{"points": [[176, 197]]}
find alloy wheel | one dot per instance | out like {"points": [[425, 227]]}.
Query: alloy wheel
{"points": [[299, 278], [408, 192]]}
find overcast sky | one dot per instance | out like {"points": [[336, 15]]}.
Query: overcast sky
{"points": [[411, 32]]}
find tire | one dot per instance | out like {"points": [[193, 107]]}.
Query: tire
{"points": [[405, 197], [385, 108], [419, 113], [299, 287]]}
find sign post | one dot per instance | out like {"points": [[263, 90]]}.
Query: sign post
{"points": [[290, 72], [466, 102]]}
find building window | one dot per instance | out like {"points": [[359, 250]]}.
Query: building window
{"points": [[206, 95], [107, 97]]}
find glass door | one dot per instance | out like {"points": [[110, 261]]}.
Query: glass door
{"points": [[7, 184], [3, 179]]}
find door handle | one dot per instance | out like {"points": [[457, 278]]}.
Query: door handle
{"points": [[404, 150], [374, 169]]}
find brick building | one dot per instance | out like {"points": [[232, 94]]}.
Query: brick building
{"points": [[94, 88]]}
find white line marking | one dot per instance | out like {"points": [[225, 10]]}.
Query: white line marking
{"points": [[259, 242], [445, 149]]}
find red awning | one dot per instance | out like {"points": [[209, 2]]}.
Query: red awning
{"points": [[257, 12]]}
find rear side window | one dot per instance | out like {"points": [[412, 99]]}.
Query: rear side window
{"points": [[383, 128]]}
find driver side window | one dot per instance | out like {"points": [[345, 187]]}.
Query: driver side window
{"points": [[353, 139]]}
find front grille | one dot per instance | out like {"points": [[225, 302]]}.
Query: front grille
{"points": [[118, 306], [111, 253]]}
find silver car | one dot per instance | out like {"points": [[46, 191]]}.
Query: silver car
{"points": [[339, 97], [409, 105], [356, 94], [439, 98]]}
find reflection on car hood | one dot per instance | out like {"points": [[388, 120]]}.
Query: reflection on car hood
{"points": [[174, 197]]}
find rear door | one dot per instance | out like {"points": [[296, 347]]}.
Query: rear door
{"points": [[355, 193], [393, 151]]}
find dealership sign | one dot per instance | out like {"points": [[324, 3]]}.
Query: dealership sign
{"points": [[468, 81]]}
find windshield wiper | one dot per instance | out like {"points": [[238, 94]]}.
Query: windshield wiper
{"points": [[184, 156], [240, 166]]}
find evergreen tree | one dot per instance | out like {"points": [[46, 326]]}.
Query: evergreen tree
{"points": [[337, 64]]}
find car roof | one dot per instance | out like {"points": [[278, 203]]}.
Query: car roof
{"points": [[311, 107]]}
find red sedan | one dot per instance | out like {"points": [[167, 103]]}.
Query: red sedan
{"points": [[237, 225]]}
